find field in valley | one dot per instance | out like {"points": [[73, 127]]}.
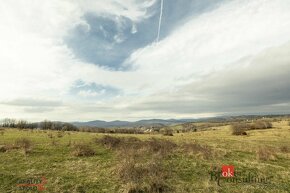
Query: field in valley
{"points": [[136, 163]]}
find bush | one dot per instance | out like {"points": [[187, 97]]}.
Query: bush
{"points": [[159, 146], [82, 150], [266, 154], [126, 144], [3, 148], [60, 134], [24, 144], [285, 149], [50, 135], [109, 141], [261, 125], [239, 129], [168, 132]]}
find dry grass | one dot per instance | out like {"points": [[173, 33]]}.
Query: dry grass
{"points": [[143, 176], [152, 146], [82, 150], [196, 149], [137, 164], [140, 167], [53, 141], [266, 154], [69, 144], [8, 147], [25, 144]]}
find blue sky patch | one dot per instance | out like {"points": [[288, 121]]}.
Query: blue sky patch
{"points": [[108, 40], [92, 90]]}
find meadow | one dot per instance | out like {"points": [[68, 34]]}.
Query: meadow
{"points": [[188, 162]]}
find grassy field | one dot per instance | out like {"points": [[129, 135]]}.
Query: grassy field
{"points": [[186, 162]]}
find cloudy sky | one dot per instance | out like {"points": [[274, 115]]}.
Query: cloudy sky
{"points": [[78, 60]]}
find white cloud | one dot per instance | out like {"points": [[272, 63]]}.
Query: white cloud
{"points": [[34, 60], [35, 63], [215, 40]]}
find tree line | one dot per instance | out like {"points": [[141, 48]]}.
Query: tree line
{"points": [[45, 125]]}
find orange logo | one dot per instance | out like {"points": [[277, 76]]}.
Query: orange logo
{"points": [[32, 183]]}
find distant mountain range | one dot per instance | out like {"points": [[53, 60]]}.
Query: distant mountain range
{"points": [[140, 123], [166, 122]]}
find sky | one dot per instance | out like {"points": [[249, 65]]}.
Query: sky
{"points": [[81, 60]]}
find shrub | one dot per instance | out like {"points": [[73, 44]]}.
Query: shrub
{"points": [[266, 154], [50, 135], [239, 129], [2, 148], [60, 134], [160, 146], [187, 127], [285, 149], [82, 150], [109, 141], [168, 132], [25, 144], [5, 148], [127, 144], [261, 125]]}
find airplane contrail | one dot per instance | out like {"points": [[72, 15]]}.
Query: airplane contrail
{"points": [[160, 20]]}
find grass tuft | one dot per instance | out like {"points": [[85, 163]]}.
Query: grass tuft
{"points": [[82, 150], [266, 154], [25, 144]]}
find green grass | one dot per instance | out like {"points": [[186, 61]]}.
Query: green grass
{"points": [[188, 172]]}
